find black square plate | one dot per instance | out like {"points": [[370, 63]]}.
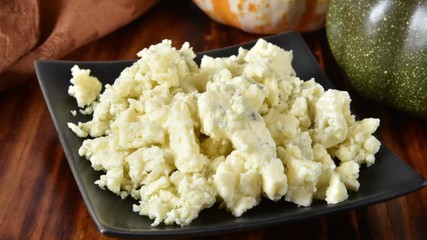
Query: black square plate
{"points": [[388, 178]]}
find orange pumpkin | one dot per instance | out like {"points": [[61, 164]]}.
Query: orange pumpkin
{"points": [[267, 16]]}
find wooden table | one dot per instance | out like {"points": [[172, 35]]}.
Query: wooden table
{"points": [[39, 198]]}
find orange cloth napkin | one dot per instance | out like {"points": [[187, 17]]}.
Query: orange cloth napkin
{"points": [[49, 29]]}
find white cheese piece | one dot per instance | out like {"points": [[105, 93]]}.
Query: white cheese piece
{"points": [[302, 180], [84, 88], [183, 139], [331, 124], [336, 191]]}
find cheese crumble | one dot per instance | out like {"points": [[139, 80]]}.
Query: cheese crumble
{"points": [[179, 138]]}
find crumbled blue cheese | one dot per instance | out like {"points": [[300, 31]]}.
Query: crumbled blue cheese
{"points": [[178, 137]]}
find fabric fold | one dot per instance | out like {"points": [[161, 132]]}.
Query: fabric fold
{"points": [[40, 29]]}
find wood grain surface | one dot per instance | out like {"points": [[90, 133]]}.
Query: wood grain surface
{"points": [[39, 198]]}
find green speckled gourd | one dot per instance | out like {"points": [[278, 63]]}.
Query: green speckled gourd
{"points": [[382, 47]]}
